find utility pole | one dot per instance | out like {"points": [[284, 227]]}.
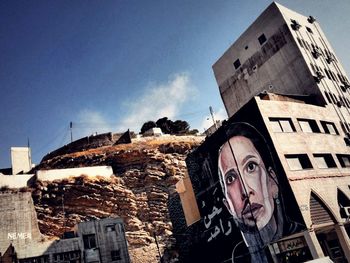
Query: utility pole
{"points": [[212, 116], [71, 131]]}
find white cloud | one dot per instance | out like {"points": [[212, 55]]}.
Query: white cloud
{"points": [[208, 120], [159, 100]]}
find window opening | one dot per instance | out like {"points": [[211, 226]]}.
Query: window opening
{"points": [[237, 64], [298, 161], [324, 160]]}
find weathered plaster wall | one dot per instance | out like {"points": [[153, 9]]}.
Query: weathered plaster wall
{"points": [[59, 174], [15, 181]]}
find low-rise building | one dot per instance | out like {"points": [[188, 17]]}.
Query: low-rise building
{"points": [[98, 241]]}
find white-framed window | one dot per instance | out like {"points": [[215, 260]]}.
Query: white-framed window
{"points": [[298, 162], [282, 125]]}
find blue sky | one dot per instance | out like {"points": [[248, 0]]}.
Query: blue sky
{"points": [[112, 65]]}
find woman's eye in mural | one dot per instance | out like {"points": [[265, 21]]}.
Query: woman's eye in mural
{"points": [[251, 167], [230, 178]]}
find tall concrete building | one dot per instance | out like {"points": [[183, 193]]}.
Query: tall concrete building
{"points": [[283, 73], [274, 180]]}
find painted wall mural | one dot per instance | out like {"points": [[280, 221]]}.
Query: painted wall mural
{"points": [[242, 193]]}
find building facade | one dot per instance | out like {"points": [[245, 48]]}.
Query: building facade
{"points": [[282, 82], [287, 53], [103, 241], [98, 241]]}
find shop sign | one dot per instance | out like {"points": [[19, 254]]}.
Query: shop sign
{"points": [[291, 244]]}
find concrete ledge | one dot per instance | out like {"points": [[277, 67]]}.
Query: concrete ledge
{"points": [[59, 174], [15, 181]]}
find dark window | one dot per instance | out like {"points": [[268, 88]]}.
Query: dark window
{"points": [[307, 46], [328, 76], [329, 127], [309, 30], [282, 125], [298, 161], [339, 76], [347, 102], [343, 101], [115, 254], [246, 47], [308, 125], [344, 160], [89, 241], [334, 99], [237, 64], [343, 127], [300, 42], [346, 126], [327, 96], [333, 75], [110, 228], [66, 256], [262, 39], [324, 160]]}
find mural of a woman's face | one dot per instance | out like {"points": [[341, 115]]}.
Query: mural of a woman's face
{"points": [[249, 197]]}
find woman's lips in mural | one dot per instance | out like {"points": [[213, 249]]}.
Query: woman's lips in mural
{"points": [[251, 211]]}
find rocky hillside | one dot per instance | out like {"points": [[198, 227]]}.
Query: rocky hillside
{"points": [[145, 174]]}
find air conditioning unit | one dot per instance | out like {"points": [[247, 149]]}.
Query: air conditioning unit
{"points": [[340, 103], [295, 25], [317, 52], [319, 76], [346, 84], [311, 19], [330, 59]]}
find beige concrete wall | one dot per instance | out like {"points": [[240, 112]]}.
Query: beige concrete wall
{"points": [[15, 181], [326, 189], [188, 201], [21, 159], [300, 142], [323, 182], [59, 174], [18, 219], [283, 71]]}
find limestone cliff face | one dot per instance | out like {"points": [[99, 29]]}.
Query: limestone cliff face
{"points": [[146, 172]]}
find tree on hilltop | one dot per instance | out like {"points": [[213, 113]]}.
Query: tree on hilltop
{"points": [[168, 126], [148, 125]]}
